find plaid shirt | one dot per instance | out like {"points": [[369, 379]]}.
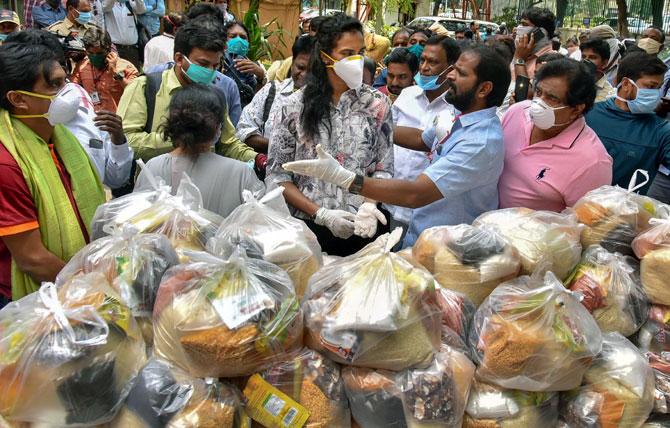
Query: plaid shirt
{"points": [[28, 6]]}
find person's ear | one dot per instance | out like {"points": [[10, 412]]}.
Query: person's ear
{"points": [[178, 59], [577, 111], [18, 101], [484, 90]]}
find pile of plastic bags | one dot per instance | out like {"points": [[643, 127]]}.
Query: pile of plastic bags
{"points": [[174, 317]]}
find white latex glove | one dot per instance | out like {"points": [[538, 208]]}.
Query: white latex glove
{"points": [[325, 168], [339, 222], [365, 224]]}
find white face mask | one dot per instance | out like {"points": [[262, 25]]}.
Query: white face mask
{"points": [[63, 108], [349, 69], [543, 115], [649, 45]]}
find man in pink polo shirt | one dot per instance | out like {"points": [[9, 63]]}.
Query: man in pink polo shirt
{"points": [[552, 157]]}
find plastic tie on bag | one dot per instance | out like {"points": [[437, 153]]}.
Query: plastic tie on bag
{"points": [[389, 240], [85, 314], [633, 185]]}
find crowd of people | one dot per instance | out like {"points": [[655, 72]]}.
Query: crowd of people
{"points": [[362, 132]]}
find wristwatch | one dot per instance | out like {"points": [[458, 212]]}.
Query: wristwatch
{"points": [[356, 185], [519, 61]]}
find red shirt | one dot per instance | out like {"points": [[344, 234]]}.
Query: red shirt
{"points": [[18, 213]]}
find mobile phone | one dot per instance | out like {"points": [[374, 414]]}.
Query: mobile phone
{"points": [[537, 33], [521, 88]]}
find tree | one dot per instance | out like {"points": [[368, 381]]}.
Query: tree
{"points": [[622, 18], [561, 9], [657, 12], [436, 7]]}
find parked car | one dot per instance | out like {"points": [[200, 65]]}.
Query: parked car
{"points": [[635, 25], [451, 24]]}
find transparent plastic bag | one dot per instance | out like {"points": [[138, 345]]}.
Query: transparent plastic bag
{"points": [[181, 217], [133, 263], [611, 290], [226, 318], [653, 249], [457, 312], [660, 364], [467, 259], [437, 395], [166, 396], [654, 336], [492, 407], [542, 238], [374, 397], [434, 396], [68, 356], [618, 389], [276, 236], [533, 335], [614, 217], [314, 382], [373, 309]]}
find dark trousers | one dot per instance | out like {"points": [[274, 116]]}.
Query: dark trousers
{"points": [[4, 301], [130, 53], [335, 246]]}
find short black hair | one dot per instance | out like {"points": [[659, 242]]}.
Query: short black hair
{"points": [[73, 3], [638, 64], [469, 34], [541, 17], [403, 56], [303, 45], [198, 33], [581, 82], [599, 46], [492, 68], [426, 32], [203, 8], [370, 65], [96, 37], [24, 57], [316, 22], [400, 31], [232, 24], [194, 113], [449, 46], [660, 30], [459, 30], [504, 47], [172, 21], [550, 56]]}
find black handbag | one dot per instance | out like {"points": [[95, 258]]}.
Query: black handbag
{"points": [[143, 34]]}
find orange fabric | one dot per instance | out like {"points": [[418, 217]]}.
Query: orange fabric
{"points": [[103, 83], [19, 228]]}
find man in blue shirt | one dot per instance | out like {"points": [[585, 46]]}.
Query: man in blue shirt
{"points": [[627, 125], [462, 180], [151, 18], [47, 13]]}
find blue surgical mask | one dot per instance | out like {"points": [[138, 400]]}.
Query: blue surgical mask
{"points": [[3, 37], [84, 18], [238, 46], [416, 50], [645, 102], [429, 83], [199, 74]]}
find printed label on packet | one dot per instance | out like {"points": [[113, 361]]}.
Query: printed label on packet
{"points": [[344, 344], [272, 408]]}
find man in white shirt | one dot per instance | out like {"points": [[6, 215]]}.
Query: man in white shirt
{"points": [[160, 49], [101, 135], [121, 26], [423, 106], [256, 123]]}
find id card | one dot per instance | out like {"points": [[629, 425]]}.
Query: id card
{"points": [[95, 97]]}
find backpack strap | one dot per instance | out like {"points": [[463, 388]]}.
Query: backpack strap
{"points": [[151, 88], [267, 106]]}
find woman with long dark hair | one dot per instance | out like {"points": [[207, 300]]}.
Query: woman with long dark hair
{"points": [[351, 121]]}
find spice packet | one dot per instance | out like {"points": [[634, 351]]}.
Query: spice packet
{"points": [[272, 408]]}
